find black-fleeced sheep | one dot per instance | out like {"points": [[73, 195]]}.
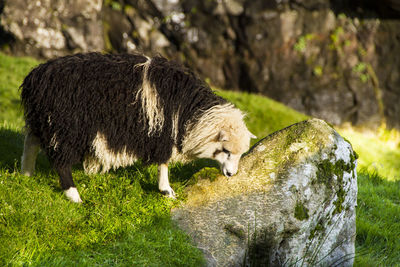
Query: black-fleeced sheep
{"points": [[109, 110]]}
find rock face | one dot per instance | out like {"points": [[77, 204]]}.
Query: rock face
{"points": [[292, 203], [50, 28], [333, 59]]}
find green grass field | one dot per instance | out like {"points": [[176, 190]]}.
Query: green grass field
{"points": [[124, 221]]}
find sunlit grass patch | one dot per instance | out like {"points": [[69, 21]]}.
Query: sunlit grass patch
{"points": [[379, 151], [12, 73]]}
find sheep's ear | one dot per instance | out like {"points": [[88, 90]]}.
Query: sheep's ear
{"points": [[223, 136], [252, 136]]}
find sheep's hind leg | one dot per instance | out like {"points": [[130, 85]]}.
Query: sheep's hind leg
{"points": [[67, 183], [31, 149], [163, 183]]}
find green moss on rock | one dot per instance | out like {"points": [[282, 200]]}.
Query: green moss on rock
{"points": [[300, 212], [341, 194], [326, 170], [317, 229]]}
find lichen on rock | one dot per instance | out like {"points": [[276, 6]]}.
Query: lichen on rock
{"points": [[292, 201]]}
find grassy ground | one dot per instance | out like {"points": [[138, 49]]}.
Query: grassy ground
{"points": [[380, 150], [378, 211], [125, 221]]}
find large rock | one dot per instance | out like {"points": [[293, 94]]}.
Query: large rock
{"points": [[50, 28], [292, 203]]}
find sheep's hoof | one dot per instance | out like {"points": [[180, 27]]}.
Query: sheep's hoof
{"points": [[73, 195], [169, 193]]}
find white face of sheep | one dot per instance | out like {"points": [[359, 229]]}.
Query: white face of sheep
{"points": [[228, 161], [228, 149]]}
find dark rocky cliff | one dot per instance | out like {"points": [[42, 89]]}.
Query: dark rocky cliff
{"points": [[337, 60]]}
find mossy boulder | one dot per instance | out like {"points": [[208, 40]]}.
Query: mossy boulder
{"points": [[292, 202]]}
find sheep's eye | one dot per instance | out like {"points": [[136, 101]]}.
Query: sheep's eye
{"points": [[226, 151]]}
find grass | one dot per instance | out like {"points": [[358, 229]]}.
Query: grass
{"points": [[378, 220], [380, 150], [125, 221], [12, 72]]}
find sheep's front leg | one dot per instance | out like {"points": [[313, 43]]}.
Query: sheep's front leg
{"points": [[163, 183]]}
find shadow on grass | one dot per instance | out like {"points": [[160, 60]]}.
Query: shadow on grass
{"points": [[11, 145], [147, 174], [180, 172], [11, 148]]}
